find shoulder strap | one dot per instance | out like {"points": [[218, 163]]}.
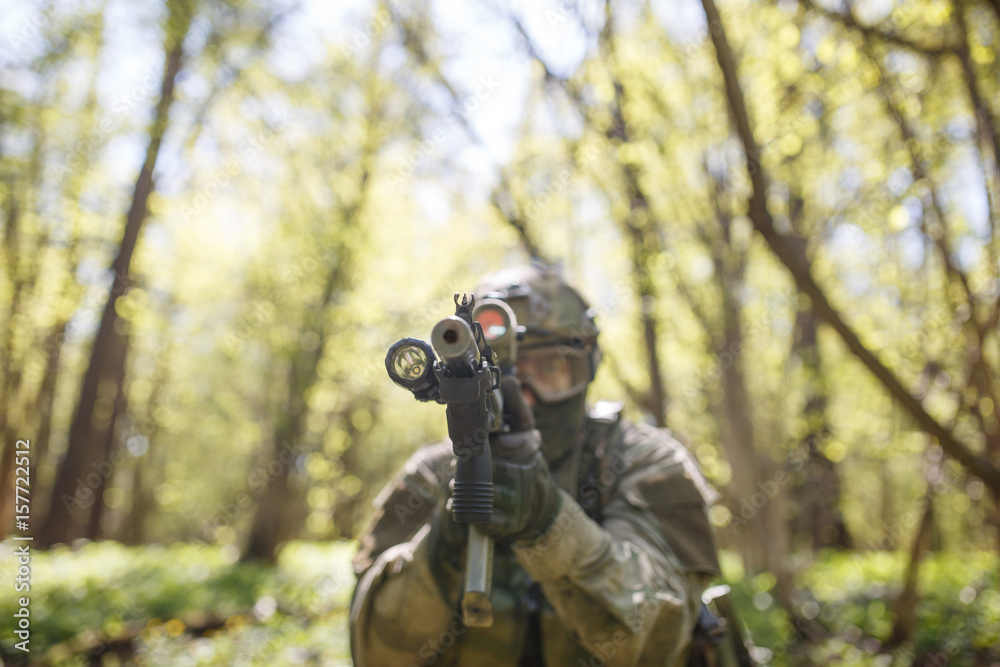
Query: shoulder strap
{"points": [[604, 442]]}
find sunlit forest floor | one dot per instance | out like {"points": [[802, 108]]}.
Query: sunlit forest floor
{"points": [[188, 605], [110, 604]]}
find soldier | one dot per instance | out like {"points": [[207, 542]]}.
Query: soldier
{"points": [[603, 545]]}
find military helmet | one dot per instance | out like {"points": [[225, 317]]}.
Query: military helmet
{"points": [[555, 319]]}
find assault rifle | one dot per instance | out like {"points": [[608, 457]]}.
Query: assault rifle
{"points": [[461, 368]]}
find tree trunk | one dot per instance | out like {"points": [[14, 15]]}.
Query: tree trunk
{"points": [[38, 411], [148, 467], [348, 511], [819, 522], [46, 398], [979, 465], [272, 521], [640, 228], [87, 464], [11, 414], [280, 510], [906, 602], [760, 497], [737, 430], [108, 445], [886, 541]]}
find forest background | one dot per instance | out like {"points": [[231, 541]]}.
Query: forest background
{"points": [[217, 215]]}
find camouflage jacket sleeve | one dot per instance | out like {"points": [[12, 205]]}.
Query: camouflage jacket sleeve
{"points": [[395, 572], [626, 588]]}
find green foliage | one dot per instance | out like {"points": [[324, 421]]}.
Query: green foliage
{"points": [[285, 169], [165, 604], [103, 594], [850, 596], [328, 181]]}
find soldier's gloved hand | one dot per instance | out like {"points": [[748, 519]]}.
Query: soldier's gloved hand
{"points": [[525, 497]]}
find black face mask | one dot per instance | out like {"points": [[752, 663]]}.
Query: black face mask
{"points": [[560, 425]]}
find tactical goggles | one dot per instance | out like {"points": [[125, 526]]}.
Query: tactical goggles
{"points": [[554, 372]]}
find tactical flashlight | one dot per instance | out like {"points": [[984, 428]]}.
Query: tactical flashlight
{"points": [[410, 364]]}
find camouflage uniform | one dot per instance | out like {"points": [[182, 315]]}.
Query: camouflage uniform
{"points": [[616, 580]]}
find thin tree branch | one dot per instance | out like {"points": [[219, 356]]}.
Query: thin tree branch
{"points": [[761, 218], [637, 396], [637, 222], [995, 6], [848, 20], [939, 234], [989, 134], [508, 210]]}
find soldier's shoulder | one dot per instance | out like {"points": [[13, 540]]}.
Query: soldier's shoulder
{"points": [[435, 455], [406, 503], [659, 463], [664, 478], [649, 444], [429, 467], [640, 444]]}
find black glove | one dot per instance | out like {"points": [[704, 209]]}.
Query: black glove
{"points": [[525, 497]]}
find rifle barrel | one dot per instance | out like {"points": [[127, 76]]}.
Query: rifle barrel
{"points": [[455, 346]]}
